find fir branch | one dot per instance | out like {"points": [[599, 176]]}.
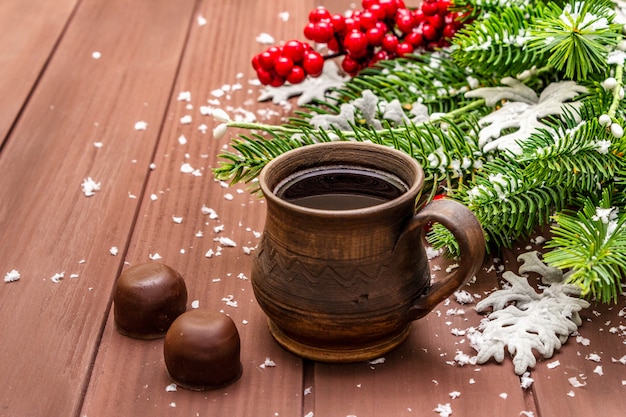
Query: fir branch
{"points": [[578, 155], [509, 203], [497, 45], [577, 37], [592, 244]]}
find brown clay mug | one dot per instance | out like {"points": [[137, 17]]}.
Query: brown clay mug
{"points": [[341, 270]]}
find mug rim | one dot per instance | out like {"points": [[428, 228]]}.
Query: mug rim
{"points": [[411, 193]]}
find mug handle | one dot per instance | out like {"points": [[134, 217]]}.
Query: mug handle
{"points": [[469, 235]]}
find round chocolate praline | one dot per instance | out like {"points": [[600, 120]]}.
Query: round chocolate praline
{"points": [[148, 298], [201, 350]]}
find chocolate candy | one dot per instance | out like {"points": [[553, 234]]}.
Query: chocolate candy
{"points": [[148, 298]]}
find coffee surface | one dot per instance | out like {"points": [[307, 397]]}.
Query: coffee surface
{"points": [[340, 188]]}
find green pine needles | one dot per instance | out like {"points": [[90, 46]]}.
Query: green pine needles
{"points": [[521, 120], [591, 243]]}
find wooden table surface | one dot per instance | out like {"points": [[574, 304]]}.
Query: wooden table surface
{"points": [[76, 76]]}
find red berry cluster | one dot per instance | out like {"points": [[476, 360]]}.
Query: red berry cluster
{"points": [[384, 29], [291, 62]]}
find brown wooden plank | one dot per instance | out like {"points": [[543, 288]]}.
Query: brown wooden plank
{"points": [[30, 30], [212, 60], [50, 330], [600, 343], [422, 373]]}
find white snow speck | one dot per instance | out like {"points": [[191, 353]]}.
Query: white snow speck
{"points": [[185, 120], [177, 220], [89, 187], [377, 361], [504, 395], [195, 304], [463, 297], [184, 96], [284, 16], [173, 404], [114, 250], [186, 168], [226, 242], [444, 410], [209, 212], [96, 55], [621, 360], [574, 382], [267, 364], [527, 414], [454, 395], [12, 276], [228, 196], [229, 300], [593, 357], [155, 256], [57, 277], [598, 370], [265, 39], [571, 394], [171, 388], [552, 365], [141, 125], [201, 21], [526, 381], [98, 144]]}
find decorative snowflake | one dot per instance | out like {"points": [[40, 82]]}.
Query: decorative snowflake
{"points": [[523, 110], [523, 321], [310, 89]]}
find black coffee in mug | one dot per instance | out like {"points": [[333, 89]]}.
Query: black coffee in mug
{"points": [[340, 188]]}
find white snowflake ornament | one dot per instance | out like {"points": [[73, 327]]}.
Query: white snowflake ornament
{"points": [[523, 321]]}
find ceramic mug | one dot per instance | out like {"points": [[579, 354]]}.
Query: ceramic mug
{"points": [[341, 270]]}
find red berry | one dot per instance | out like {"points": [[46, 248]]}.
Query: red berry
{"points": [[375, 36], [429, 8], [320, 32], [297, 75], [355, 43], [405, 22], [449, 31], [255, 62], [333, 45], [313, 64], [338, 22], [389, 6], [404, 48], [352, 24], [318, 14], [443, 6], [265, 77], [267, 59], [429, 32], [378, 11], [380, 56], [350, 65], [436, 21], [294, 50], [277, 81], [390, 43], [368, 19], [283, 66], [368, 3], [414, 38]]}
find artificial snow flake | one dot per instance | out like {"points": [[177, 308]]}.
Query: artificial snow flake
{"points": [[523, 321], [89, 187], [12, 276], [522, 110], [141, 125], [268, 363], [444, 410], [56, 278]]}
